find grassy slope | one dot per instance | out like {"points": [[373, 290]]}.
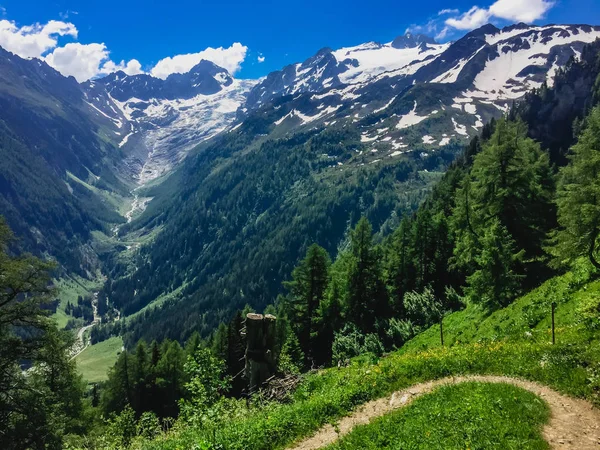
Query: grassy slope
{"points": [[514, 342], [69, 288], [93, 363], [470, 415], [527, 320]]}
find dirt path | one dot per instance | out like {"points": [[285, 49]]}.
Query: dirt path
{"points": [[80, 344], [574, 423]]}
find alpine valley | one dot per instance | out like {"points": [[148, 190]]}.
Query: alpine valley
{"points": [[178, 201], [391, 245]]}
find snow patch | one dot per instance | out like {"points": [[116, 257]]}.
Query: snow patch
{"points": [[410, 119]]}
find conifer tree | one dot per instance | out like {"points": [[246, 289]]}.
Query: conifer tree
{"points": [[399, 268], [367, 296], [307, 290], [578, 198], [511, 180], [236, 348], [496, 281], [140, 372], [507, 193]]}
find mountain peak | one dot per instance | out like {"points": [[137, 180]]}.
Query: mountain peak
{"points": [[410, 40], [205, 66], [483, 30]]}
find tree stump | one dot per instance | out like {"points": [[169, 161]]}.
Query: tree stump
{"points": [[260, 349]]}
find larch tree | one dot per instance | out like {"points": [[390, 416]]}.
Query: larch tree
{"points": [[578, 198], [306, 292]]}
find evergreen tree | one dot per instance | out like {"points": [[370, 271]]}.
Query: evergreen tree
{"points": [[291, 358], [38, 407], [495, 283], [399, 267], [219, 341], [140, 378], [117, 392], [578, 198], [328, 321], [154, 354], [367, 296], [171, 378], [236, 348], [193, 343], [307, 290], [507, 193]]}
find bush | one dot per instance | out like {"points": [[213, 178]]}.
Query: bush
{"points": [[350, 342]]}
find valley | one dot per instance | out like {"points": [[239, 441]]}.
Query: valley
{"points": [[384, 245], [408, 101]]}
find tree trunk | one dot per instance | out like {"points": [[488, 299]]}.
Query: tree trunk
{"points": [[260, 349], [593, 238]]}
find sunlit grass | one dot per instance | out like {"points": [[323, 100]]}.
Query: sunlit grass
{"points": [[468, 415]]}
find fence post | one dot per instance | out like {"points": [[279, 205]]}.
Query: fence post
{"points": [[553, 335]]}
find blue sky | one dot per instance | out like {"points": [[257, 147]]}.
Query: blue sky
{"points": [[280, 32]]}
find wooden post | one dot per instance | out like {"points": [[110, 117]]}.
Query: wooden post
{"points": [[553, 335], [260, 349], [442, 330]]}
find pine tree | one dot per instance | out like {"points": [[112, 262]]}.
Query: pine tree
{"points": [[511, 180], [367, 296], [117, 391], [154, 354], [193, 343], [140, 372], [307, 289], [236, 348], [399, 267], [219, 341], [578, 198], [171, 378], [328, 321], [507, 193], [496, 282]]}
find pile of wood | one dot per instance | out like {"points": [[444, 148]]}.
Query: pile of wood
{"points": [[280, 389]]}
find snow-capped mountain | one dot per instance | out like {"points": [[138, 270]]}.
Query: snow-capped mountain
{"points": [[159, 121], [409, 93], [329, 68], [426, 95]]}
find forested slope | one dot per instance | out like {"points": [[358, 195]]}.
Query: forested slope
{"points": [[51, 145]]}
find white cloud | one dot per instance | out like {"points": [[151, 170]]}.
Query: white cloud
{"points": [[33, 40], [512, 10], [133, 67], [79, 60], [442, 34], [260, 58], [519, 10], [473, 18], [430, 28], [85, 61], [443, 12], [230, 58]]}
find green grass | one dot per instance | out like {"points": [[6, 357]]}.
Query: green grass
{"points": [[468, 415], [113, 199], [512, 342], [93, 363], [526, 320], [69, 288]]}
